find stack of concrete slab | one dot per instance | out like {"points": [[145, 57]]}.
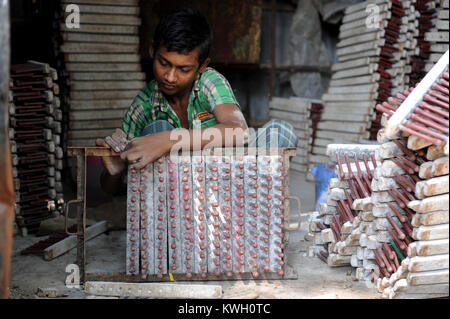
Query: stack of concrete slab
{"points": [[438, 36], [296, 111], [393, 188], [371, 54], [336, 226], [103, 63], [420, 240], [424, 272], [425, 14]]}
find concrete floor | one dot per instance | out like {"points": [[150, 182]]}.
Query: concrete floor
{"points": [[106, 254]]}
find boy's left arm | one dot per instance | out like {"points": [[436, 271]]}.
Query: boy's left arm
{"points": [[147, 149]]}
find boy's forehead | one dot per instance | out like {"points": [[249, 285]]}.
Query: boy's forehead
{"points": [[176, 58]]}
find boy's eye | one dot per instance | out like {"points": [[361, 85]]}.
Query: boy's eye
{"points": [[185, 70], [163, 63]]}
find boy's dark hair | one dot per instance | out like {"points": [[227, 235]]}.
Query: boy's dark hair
{"points": [[182, 31]]}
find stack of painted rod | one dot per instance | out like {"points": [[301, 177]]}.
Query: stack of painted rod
{"points": [[393, 189], [438, 35], [337, 219], [422, 112], [297, 112], [425, 270], [425, 12], [35, 129], [103, 62]]}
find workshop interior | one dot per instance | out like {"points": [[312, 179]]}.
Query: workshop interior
{"points": [[358, 208]]}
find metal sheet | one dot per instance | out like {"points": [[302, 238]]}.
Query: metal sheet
{"points": [[276, 229], [174, 218], [200, 227], [187, 218], [214, 211], [264, 177], [133, 216], [147, 221], [159, 215], [238, 213], [224, 174], [251, 214]]}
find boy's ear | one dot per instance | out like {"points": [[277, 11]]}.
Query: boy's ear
{"points": [[204, 65], [152, 51]]}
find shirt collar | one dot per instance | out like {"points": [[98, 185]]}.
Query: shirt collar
{"points": [[197, 84]]}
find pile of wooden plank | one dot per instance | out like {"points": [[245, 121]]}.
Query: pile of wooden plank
{"points": [[297, 111], [35, 128], [103, 63], [438, 36]]}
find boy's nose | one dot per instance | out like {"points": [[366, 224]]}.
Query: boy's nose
{"points": [[171, 76]]}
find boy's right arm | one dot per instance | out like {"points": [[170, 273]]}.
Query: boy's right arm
{"points": [[115, 167]]}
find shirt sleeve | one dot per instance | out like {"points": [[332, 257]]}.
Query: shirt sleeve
{"points": [[135, 119], [217, 89]]}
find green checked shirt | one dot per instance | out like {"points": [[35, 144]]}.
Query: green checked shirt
{"points": [[210, 90]]}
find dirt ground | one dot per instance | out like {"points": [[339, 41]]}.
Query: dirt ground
{"points": [[31, 275]]}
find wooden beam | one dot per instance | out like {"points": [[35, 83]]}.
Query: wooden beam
{"points": [[153, 290], [70, 242]]}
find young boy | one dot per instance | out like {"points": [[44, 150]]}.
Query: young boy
{"points": [[185, 94]]}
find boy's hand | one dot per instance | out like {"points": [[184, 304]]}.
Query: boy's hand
{"points": [[113, 164], [147, 149], [117, 141]]}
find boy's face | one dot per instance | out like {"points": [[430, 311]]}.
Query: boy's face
{"points": [[175, 72]]}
